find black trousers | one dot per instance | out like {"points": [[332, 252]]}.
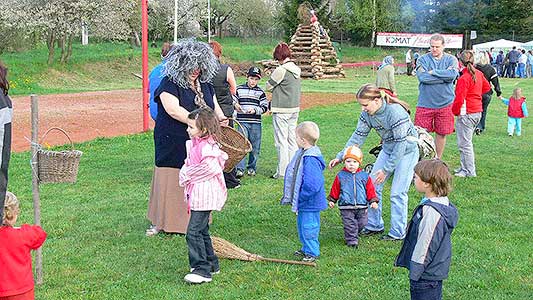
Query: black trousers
{"points": [[353, 220], [485, 100]]}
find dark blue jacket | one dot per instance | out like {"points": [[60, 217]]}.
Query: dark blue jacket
{"points": [[427, 247]]}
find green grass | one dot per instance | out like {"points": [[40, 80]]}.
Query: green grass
{"points": [[109, 66], [96, 248]]}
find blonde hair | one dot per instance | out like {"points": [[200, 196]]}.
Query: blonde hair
{"points": [[11, 208], [517, 93], [370, 91], [482, 58], [309, 131]]}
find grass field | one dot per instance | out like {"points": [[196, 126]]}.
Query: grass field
{"points": [[96, 248], [109, 66]]}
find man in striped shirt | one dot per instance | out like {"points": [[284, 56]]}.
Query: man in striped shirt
{"points": [[251, 104]]}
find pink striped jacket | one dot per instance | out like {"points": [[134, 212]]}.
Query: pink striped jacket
{"points": [[201, 175]]}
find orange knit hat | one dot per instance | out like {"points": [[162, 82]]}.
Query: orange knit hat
{"points": [[353, 152]]}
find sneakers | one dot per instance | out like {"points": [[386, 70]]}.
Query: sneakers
{"points": [[239, 174], [152, 230], [462, 174], [196, 279], [390, 238], [251, 172], [478, 131], [370, 232], [309, 258], [299, 253], [355, 246], [276, 176], [213, 271]]}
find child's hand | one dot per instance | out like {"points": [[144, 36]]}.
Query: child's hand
{"points": [[374, 205], [331, 204]]}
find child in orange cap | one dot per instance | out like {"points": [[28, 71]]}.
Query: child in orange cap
{"points": [[353, 190]]}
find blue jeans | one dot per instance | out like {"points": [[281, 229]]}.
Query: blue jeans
{"points": [[521, 70], [403, 175], [202, 257], [308, 223], [253, 133], [426, 289]]}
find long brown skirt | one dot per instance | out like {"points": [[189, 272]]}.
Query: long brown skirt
{"points": [[166, 209]]}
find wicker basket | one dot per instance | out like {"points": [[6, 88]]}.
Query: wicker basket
{"points": [[235, 144], [58, 166]]}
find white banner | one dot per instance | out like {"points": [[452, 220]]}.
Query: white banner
{"points": [[416, 40]]}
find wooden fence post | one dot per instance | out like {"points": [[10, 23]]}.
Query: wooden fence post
{"points": [[35, 182]]}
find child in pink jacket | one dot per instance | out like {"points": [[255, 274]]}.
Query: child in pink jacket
{"points": [[205, 190]]}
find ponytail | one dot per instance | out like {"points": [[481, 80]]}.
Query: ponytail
{"points": [[370, 91], [467, 58]]}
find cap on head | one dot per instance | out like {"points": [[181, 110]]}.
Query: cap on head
{"points": [[255, 72], [353, 152]]}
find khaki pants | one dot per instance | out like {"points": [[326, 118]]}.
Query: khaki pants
{"points": [[284, 139]]}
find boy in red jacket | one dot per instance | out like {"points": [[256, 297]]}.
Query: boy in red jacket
{"points": [[16, 243], [467, 106]]}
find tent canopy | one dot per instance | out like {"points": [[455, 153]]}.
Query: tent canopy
{"points": [[501, 44], [528, 45]]}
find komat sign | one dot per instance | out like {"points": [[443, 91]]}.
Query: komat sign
{"points": [[416, 40]]}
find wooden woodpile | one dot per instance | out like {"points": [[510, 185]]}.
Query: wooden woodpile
{"points": [[313, 53]]}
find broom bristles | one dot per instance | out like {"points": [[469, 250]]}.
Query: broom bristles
{"points": [[225, 249]]}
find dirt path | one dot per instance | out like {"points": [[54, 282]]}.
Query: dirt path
{"points": [[86, 116]]}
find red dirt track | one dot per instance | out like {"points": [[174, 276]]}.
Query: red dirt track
{"points": [[86, 116]]}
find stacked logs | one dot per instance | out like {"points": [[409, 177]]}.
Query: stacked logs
{"points": [[313, 53]]}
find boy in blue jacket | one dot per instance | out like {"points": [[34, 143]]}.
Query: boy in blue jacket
{"points": [[427, 247], [304, 189]]}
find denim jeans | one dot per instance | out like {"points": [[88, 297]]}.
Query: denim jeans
{"points": [[521, 70], [202, 257], [426, 289], [284, 139], [403, 175], [485, 99], [253, 132], [464, 128], [308, 223]]}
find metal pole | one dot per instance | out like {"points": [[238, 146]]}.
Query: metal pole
{"points": [[175, 21], [209, 21], [35, 182], [146, 95]]}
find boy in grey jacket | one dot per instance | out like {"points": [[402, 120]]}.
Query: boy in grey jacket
{"points": [[427, 248]]}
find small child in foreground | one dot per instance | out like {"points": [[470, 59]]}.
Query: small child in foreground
{"points": [[427, 248], [353, 190], [16, 243], [516, 112], [205, 190], [304, 189]]}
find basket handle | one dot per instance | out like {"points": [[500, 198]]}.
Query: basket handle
{"points": [[59, 129], [244, 130]]}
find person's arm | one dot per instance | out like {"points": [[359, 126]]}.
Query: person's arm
{"points": [[496, 83], [172, 106], [230, 78], [208, 167], [263, 104], [219, 113], [505, 101], [392, 82], [335, 191], [524, 109], [275, 78], [423, 75], [400, 131], [460, 95], [34, 236], [358, 137], [427, 242], [485, 85], [371, 195], [450, 73]]}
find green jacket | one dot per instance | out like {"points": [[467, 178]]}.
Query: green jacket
{"points": [[285, 84]]}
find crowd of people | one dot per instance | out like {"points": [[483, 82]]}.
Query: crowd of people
{"points": [[195, 94]]}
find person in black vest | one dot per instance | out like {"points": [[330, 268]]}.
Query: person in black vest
{"points": [[6, 114], [225, 88], [483, 64]]}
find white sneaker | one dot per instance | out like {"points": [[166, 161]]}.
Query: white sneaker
{"points": [[196, 279]]}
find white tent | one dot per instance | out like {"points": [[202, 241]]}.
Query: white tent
{"points": [[528, 45], [501, 44]]}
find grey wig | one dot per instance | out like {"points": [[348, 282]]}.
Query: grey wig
{"points": [[186, 56]]}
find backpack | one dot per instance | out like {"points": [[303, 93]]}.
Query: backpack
{"points": [[426, 144]]}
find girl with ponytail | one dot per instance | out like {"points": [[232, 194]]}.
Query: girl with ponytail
{"points": [[467, 107]]}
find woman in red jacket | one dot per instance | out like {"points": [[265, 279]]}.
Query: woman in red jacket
{"points": [[16, 243], [467, 106]]}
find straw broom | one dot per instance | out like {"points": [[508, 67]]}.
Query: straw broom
{"points": [[225, 249]]}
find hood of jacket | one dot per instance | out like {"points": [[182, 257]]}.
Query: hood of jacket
{"points": [[448, 212], [293, 68]]}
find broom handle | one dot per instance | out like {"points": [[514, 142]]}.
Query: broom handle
{"points": [[292, 262]]}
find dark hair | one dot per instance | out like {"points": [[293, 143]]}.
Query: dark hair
{"points": [[165, 49], [467, 58], [4, 83], [281, 52], [217, 48], [436, 173], [206, 121]]}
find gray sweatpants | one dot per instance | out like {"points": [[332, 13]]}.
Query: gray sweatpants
{"points": [[464, 128]]}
